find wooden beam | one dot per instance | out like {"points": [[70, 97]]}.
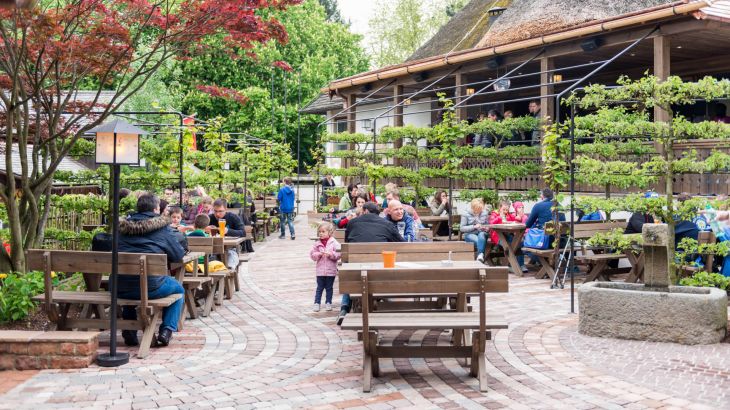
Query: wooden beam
{"points": [[662, 64], [398, 117], [547, 104], [350, 101], [460, 93]]}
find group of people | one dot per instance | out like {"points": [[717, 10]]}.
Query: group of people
{"points": [[488, 140], [153, 228]]}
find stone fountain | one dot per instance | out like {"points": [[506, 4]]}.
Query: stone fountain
{"points": [[653, 311]]}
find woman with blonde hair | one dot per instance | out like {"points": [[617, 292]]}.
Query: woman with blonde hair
{"points": [[474, 226]]}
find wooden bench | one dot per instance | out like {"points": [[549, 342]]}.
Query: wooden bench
{"points": [[704, 238], [424, 233], [582, 231], [210, 246], [407, 252], [371, 282], [58, 303]]}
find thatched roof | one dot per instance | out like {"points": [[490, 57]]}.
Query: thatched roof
{"points": [[531, 18], [322, 104], [462, 32]]}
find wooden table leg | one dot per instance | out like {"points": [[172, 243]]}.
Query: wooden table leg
{"points": [[637, 267], [510, 253], [546, 268], [596, 271]]}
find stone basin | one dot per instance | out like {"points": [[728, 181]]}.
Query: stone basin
{"points": [[677, 314]]}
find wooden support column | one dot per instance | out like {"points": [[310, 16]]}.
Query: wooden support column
{"points": [[460, 93], [350, 101], [662, 65], [547, 104], [397, 117]]}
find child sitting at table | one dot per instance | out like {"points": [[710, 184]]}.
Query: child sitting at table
{"points": [[200, 222], [326, 253], [176, 219]]}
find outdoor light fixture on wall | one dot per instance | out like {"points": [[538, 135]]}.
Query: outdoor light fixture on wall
{"points": [[470, 91], [557, 78], [367, 124], [407, 101], [117, 144], [591, 44], [502, 85]]}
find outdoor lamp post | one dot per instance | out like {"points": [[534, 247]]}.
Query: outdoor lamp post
{"points": [[117, 143]]}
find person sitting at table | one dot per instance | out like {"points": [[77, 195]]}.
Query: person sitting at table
{"points": [[519, 214], [234, 228], [401, 220], [542, 211], [146, 231], [347, 200], [473, 225], [637, 220], [349, 216], [500, 216], [440, 206], [395, 196], [684, 228], [368, 227], [389, 187]]}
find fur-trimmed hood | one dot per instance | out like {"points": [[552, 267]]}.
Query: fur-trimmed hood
{"points": [[142, 224]]}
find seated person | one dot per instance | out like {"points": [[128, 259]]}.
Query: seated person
{"points": [[542, 211], [348, 199], [440, 206], [519, 214], [199, 225], [176, 219], [473, 225], [402, 221], [234, 228], [395, 195], [146, 231], [350, 215], [684, 228]]}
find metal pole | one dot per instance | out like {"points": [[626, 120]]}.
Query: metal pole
{"points": [[180, 160], [375, 140], [450, 207], [571, 262], [286, 122], [299, 141], [114, 358]]}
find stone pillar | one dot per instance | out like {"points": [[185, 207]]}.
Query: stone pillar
{"points": [[656, 255]]}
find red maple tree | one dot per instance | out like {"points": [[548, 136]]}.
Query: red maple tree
{"points": [[52, 50]]}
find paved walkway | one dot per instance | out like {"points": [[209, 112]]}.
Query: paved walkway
{"points": [[266, 348]]}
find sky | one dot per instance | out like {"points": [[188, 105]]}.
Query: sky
{"points": [[358, 12]]}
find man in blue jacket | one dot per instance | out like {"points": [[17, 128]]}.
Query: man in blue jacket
{"points": [[148, 232], [542, 211], [286, 207]]}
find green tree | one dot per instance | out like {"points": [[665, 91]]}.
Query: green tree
{"points": [[318, 50], [400, 27], [332, 11]]}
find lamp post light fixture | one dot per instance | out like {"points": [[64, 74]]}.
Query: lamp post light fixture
{"points": [[117, 144]]}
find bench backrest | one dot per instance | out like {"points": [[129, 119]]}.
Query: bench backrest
{"points": [[585, 230], [422, 233], [407, 252], [95, 262], [416, 280]]}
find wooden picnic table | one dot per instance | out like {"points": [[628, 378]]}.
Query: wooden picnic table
{"points": [[511, 248], [435, 221]]}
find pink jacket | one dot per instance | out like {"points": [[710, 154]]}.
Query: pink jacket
{"points": [[326, 265]]}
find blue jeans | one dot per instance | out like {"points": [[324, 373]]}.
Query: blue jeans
{"points": [[478, 238], [325, 283], [170, 314], [287, 219], [345, 303]]}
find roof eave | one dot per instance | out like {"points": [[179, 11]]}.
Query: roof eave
{"points": [[622, 21]]}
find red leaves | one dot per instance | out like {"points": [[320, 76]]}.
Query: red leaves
{"points": [[283, 65], [223, 92]]}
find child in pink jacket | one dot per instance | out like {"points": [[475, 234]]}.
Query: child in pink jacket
{"points": [[326, 253]]}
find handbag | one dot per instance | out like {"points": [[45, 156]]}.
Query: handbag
{"points": [[535, 238]]}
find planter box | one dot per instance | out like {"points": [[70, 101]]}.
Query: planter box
{"points": [[36, 350], [686, 315]]}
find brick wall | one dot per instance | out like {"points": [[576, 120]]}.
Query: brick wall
{"points": [[32, 350]]}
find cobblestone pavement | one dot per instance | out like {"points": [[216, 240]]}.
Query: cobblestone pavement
{"points": [[266, 348]]}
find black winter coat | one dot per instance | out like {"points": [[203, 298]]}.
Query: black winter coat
{"points": [[371, 228], [147, 232]]}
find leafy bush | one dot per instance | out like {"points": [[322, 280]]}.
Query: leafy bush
{"points": [[707, 280], [16, 291]]}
